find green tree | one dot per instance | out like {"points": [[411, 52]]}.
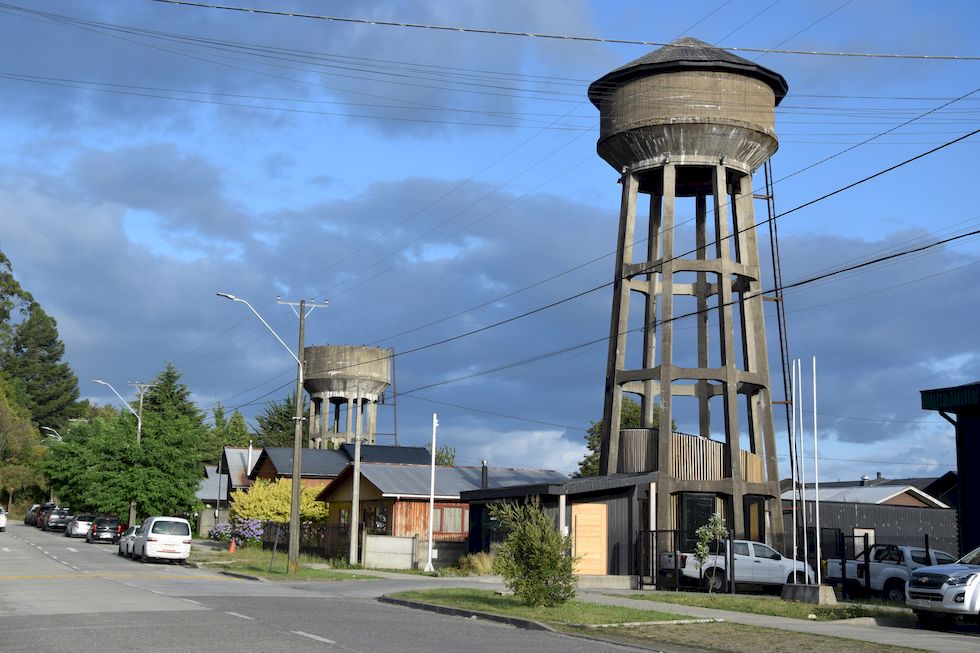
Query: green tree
{"points": [[13, 298], [20, 442], [225, 432], [270, 501], [276, 423], [630, 418], [714, 530], [31, 359], [445, 456], [101, 468], [15, 478], [533, 559]]}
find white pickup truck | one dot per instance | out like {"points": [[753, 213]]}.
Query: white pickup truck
{"points": [[755, 563], [890, 567], [939, 593]]}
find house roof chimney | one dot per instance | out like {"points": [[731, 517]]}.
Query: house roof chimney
{"points": [[484, 477]]}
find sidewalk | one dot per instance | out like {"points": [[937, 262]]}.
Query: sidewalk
{"points": [[861, 629]]}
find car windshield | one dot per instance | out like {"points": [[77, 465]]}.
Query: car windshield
{"points": [[171, 528], [107, 522], [84, 518], [971, 558]]}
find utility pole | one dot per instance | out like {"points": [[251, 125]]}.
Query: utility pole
{"points": [[141, 388], [432, 490], [355, 504], [302, 310]]}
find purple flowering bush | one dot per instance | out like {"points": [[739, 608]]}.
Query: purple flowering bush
{"points": [[246, 531]]}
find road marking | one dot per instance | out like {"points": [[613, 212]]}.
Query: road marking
{"points": [[71, 549], [6, 550], [193, 601], [316, 637], [240, 616]]}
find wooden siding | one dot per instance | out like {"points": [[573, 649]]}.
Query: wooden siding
{"points": [[411, 518], [699, 459]]}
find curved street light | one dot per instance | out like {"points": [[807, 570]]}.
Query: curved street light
{"points": [[139, 435], [53, 434]]}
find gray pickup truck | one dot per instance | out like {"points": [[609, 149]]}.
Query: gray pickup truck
{"points": [[940, 593]]}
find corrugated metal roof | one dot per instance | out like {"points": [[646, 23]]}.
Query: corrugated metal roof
{"points": [[316, 463], [378, 453], [572, 486], [413, 480], [875, 494], [211, 487], [686, 53], [234, 462]]}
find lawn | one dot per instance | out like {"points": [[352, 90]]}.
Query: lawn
{"points": [[575, 617], [253, 560], [572, 612], [771, 606]]}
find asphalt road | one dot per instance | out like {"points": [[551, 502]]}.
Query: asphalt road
{"points": [[59, 594]]}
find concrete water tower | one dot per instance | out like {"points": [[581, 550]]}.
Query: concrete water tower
{"points": [[686, 126], [350, 380]]}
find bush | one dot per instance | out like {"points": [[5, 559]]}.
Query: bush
{"points": [[246, 531], [532, 559]]}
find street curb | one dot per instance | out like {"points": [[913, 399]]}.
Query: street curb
{"points": [[235, 574], [525, 624]]}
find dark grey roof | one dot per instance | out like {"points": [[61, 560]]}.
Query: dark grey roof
{"points": [[413, 480], [377, 453], [316, 463], [568, 487], [686, 53]]}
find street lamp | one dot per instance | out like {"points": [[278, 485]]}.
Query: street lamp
{"points": [[53, 434], [139, 434], [292, 565]]}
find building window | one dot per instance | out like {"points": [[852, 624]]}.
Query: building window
{"points": [[696, 510], [754, 515], [452, 520]]}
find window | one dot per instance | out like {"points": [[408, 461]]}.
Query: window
{"points": [[170, 528], [919, 557], [696, 510], [436, 520], [763, 551], [452, 520], [741, 549], [943, 559], [754, 516]]}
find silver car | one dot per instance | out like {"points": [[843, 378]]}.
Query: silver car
{"points": [[126, 540], [79, 525]]}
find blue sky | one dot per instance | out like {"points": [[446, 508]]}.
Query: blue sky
{"points": [[408, 175]]}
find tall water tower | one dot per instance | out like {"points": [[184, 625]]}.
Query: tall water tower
{"points": [[345, 384], [686, 126]]}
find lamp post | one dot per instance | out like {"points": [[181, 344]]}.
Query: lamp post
{"points": [[53, 434], [142, 387], [292, 565]]}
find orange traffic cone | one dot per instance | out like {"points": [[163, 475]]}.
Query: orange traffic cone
{"points": [[232, 547]]}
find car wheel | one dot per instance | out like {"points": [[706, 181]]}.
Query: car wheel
{"points": [[714, 580], [894, 591]]}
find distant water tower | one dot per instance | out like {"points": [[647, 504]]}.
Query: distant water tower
{"points": [[686, 126], [345, 381]]}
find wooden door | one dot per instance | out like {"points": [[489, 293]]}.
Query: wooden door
{"points": [[589, 538]]}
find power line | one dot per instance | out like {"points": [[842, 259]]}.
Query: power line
{"points": [[559, 37]]}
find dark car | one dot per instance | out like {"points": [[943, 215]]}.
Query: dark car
{"points": [[105, 529], [57, 519], [36, 511]]}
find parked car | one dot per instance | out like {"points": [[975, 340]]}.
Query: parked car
{"points": [[126, 540], [3, 520], [755, 563], [165, 538], [79, 525], [104, 529], [57, 519], [940, 593], [36, 511], [890, 567], [42, 517]]}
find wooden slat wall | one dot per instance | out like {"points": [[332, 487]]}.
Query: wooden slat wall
{"points": [[696, 459], [752, 467], [412, 518]]}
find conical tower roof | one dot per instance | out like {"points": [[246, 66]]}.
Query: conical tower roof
{"points": [[686, 53]]}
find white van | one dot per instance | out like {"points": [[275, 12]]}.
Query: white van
{"points": [[163, 538]]}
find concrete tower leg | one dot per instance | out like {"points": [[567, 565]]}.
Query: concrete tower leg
{"points": [[350, 420], [666, 483], [313, 428]]}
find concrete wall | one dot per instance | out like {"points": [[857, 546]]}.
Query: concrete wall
{"points": [[444, 554], [386, 552]]}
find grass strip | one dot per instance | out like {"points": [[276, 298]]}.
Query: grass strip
{"points": [[571, 612], [255, 561], [768, 606]]}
